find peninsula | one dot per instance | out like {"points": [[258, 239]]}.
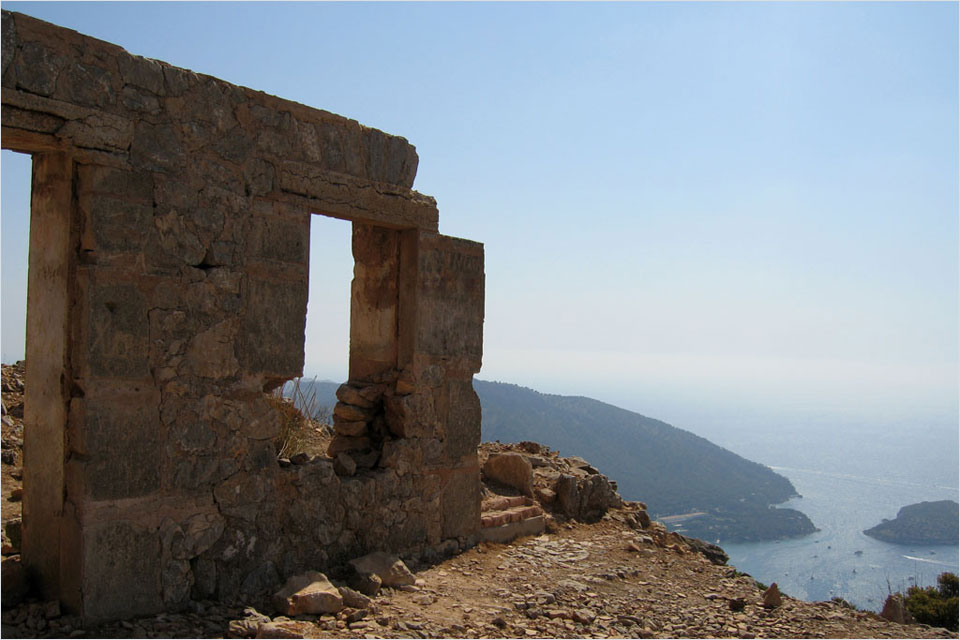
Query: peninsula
{"points": [[921, 523]]}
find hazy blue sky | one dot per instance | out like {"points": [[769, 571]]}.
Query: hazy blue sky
{"points": [[708, 213]]}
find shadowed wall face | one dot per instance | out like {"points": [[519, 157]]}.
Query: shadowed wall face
{"points": [[168, 289]]}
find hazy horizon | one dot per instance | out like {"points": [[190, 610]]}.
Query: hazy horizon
{"points": [[718, 215]]}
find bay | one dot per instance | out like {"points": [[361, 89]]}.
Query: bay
{"points": [[850, 477]]}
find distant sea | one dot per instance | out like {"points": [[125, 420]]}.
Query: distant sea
{"points": [[850, 476]]}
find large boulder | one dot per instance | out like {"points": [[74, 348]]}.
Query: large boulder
{"points": [[585, 499], [511, 469], [365, 396], [597, 494], [344, 465], [771, 597], [567, 501], [355, 599], [12, 529], [389, 568], [367, 584], [308, 593], [895, 611], [711, 552]]}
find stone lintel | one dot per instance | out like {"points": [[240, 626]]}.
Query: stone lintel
{"points": [[47, 64], [377, 205]]}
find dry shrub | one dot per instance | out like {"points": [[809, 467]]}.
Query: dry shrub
{"points": [[289, 440], [305, 420]]}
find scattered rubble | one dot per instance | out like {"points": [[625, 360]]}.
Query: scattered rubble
{"points": [[355, 599], [308, 593], [389, 568], [366, 583]]}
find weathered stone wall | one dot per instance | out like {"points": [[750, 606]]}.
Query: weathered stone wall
{"points": [[168, 291]]}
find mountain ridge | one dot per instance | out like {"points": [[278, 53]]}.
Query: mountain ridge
{"points": [[683, 473]]}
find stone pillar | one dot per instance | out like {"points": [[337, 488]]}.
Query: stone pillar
{"points": [[447, 325], [276, 260], [115, 462], [48, 366], [374, 302]]}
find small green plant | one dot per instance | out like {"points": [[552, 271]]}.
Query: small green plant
{"points": [[935, 606]]}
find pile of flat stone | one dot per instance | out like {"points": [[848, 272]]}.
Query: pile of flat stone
{"points": [[359, 426]]}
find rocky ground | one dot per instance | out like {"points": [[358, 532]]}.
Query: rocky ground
{"points": [[11, 454], [616, 577]]}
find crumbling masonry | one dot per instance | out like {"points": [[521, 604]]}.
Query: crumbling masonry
{"points": [[167, 291]]}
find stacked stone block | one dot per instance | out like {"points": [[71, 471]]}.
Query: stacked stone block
{"points": [[168, 292]]}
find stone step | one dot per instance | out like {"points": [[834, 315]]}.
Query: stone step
{"points": [[502, 503], [508, 532], [515, 514]]}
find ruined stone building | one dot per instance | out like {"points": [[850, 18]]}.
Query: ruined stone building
{"points": [[169, 247]]}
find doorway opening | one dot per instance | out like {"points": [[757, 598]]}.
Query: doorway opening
{"points": [[14, 239], [15, 173]]}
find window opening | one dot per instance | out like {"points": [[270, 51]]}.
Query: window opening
{"points": [[326, 344]]}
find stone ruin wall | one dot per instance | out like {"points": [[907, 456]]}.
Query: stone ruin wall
{"points": [[167, 291]]}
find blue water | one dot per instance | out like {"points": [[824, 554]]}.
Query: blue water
{"points": [[850, 477], [825, 564]]}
